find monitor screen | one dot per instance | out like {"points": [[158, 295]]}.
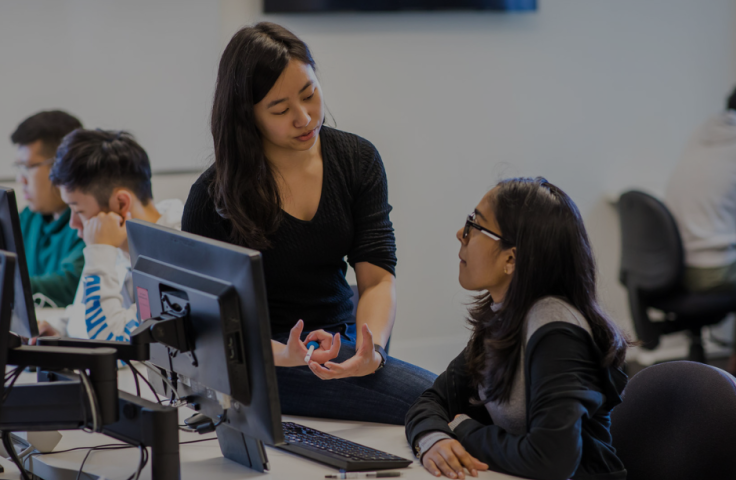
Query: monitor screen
{"points": [[7, 273], [11, 239], [312, 6], [219, 290]]}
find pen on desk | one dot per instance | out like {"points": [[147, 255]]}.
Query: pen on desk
{"points": [[365, 475], [311, 346]]}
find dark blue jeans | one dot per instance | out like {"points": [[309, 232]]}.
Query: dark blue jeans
{"points": [[383, 397]]}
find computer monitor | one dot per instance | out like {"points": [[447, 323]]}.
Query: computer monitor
{"points": [[7, 271], [11, 240], [225, 367]]}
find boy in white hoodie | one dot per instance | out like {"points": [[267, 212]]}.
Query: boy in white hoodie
{"points": [[105, 178]]}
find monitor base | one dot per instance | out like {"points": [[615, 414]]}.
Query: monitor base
{"points": [[242, 449]]}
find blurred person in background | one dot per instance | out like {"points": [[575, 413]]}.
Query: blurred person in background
{"points": [[53, 249], [701, 194]]}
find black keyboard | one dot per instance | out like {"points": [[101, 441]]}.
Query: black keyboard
{"points": [[335, 451]]}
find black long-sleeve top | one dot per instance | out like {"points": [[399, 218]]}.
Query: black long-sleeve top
{"points": [[305, 267], [569, 398]]}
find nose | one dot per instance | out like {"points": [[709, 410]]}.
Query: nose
{"points": [[302, 118], [75, 222], [459, 235]]}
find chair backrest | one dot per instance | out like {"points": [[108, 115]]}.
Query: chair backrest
{"points": [[652, 258], [677, 421]]}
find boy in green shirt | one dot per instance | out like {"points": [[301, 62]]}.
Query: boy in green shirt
{"points": [[53, 249]]}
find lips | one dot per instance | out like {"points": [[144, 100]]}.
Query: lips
{"points": [[309, 135]]}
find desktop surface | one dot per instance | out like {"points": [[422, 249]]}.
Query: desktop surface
{"points": [[205, 460]]}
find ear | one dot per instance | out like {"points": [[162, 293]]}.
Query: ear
{"points": [[121, 202], [510, 261]]}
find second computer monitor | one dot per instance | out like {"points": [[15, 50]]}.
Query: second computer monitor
{"points": [[219, 288], [11, 240]]}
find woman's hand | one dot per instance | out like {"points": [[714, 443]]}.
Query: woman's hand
{"points": [[449, 457], [365, 361], [292, 354]]}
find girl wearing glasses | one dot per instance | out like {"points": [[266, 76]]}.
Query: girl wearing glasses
{"points": [[532, 392], [307, 196]]}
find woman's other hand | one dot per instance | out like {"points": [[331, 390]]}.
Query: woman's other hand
{"points": [[449, 458], [365, 361]]}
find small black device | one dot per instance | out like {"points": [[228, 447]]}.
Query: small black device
{"points": [[335, 451], [11, 240]]}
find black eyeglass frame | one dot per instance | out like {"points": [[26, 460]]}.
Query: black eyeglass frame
{"points": [[470, 222]]}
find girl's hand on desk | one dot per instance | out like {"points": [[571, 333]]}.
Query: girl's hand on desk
{"points": [[292, 354], [365, 361], [449, 457], [44, 330]]}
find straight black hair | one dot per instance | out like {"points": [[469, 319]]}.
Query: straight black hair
{"points": [[244, 187], [49, 127], [99, 161], [553, 257]]}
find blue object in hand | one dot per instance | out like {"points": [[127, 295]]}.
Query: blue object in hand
{"points": [[311, 346]]}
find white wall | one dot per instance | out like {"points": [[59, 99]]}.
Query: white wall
{"points": [[145, 66], [596, 96]]}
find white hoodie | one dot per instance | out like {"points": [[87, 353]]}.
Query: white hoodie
{"points": [[701, 194], [104, 307]]}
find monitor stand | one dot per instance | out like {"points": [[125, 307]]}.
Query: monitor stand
{"points": [[242, 449]]}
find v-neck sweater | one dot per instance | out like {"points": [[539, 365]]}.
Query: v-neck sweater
{"points": [[305, 266]]}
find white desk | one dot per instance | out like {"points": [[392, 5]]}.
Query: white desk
{"points": [[205, 461]]}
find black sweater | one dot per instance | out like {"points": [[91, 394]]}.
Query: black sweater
{"points": [[569, 398], [305, 267]]}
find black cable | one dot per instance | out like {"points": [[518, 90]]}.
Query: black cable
{"points": [[8, 444], [81, 467], [110, 446], [102, 447], [93, 396], [137, 383], [145, 460], [141, 463], [198, 441], [10, 387], [145, 380]]}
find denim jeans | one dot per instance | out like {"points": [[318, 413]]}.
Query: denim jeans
{"points": [[383, 397]]}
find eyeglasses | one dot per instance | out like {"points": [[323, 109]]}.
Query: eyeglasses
{"points": [[470, 222], [24, 169]]}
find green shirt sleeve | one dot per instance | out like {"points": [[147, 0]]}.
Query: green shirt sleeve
{"points": [[61, 285]]}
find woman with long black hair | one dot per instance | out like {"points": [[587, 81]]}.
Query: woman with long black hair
{"points": [[307, 196], [532, 392]]}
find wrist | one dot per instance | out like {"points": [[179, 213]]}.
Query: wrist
{"points": [[382, 356], [376, 361], [281, 356]]}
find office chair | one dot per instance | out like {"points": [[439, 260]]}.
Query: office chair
{"points": [[652, 266], [677, 421]]}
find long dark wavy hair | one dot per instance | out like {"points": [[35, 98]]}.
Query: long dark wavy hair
{"points": [[553, 257], [244, 187]]}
